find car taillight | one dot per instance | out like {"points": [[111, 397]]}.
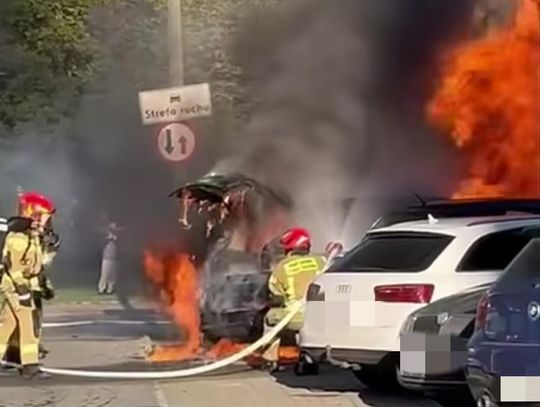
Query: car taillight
{"points": [[481, 313], [415, 293], [315, 293]]}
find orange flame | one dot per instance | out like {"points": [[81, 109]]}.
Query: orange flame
{"points": [[226, 347], [489, 103], [177, 279]]}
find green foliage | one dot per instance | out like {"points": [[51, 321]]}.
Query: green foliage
{"points": [[46, 56], [56, 30], [132, 35], [52, 51]]}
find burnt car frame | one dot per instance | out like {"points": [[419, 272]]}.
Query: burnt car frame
{"points": [[234, 295]]}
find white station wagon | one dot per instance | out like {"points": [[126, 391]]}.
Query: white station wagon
{"points": [[355, 310]]}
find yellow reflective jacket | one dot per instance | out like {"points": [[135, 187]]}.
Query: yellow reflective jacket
{"points": [[293, 275], [22, 255]]}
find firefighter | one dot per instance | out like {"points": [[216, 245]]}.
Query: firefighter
{"points": [[41, 285], [288, 283], [22, 261]]}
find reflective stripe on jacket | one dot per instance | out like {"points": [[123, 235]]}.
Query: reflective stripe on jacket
{"points": [[293, 275]]}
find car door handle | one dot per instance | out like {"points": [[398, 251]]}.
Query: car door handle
{"points": [[536, 285]]}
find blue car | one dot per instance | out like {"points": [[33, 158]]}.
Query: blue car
{"points": [[505, 347]]}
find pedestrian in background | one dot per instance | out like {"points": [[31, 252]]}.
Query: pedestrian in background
{"points": [[109, 262]]}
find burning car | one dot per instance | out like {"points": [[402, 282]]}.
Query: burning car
{"points": [[217, 286]]}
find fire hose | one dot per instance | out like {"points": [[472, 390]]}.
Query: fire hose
{"points": [[72, 324], [265, 339], [174, 374]]}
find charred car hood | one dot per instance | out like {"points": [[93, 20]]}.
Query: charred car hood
{"points": [[215, 187]]}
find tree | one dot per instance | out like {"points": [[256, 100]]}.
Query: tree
{"points": [[50, 54], [46, 57]]}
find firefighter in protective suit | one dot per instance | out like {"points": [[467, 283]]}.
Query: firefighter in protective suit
{"points": [[41, 285], [22, 261], [289, 283]]}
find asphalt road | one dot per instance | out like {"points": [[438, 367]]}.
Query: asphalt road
{"points": [[121, 347]]}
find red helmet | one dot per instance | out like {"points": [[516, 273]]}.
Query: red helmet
{"points": [[33, 205], [296, 239]]}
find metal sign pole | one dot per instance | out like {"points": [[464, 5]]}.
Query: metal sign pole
{"points": [[176, 45], [176, 53]]}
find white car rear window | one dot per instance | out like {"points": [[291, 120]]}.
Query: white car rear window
{"points": [[393, 252]]}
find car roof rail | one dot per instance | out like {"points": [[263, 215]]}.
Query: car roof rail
{"points": [[448, 208], [502, 220]]}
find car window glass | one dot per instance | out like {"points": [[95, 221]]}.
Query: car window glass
{"points": [[380, 252], [494, 252], [527, 264]]}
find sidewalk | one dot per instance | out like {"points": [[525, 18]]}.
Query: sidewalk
{"points": [[82, 307], [256, 390], [331, 388]]}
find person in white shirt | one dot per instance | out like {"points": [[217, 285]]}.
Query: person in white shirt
{"points": [[109, 262]]}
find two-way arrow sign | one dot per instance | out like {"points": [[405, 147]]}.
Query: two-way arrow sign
{"points": [[176, 141]]}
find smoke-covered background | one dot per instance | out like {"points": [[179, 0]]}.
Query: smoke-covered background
{"points": [[342, 87], [335, 92]]}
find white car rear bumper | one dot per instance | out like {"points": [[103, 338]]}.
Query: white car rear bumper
{"points": [[375, 330]]}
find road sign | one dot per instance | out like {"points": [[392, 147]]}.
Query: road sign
{"points": [[176, 141], [175, 104]]}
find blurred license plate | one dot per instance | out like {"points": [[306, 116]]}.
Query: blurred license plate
{"points": [[337, 313], [412, 354]]}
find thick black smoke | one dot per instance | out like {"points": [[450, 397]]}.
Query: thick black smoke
{"points": [[342, 87]]}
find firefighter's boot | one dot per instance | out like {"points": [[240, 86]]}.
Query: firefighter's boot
{"points": [[33, 372], [42, 352]]}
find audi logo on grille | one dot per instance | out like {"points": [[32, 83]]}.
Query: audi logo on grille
{"points": [[343, 288]]}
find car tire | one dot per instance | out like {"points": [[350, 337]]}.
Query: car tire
{"points": [[380, 377]]}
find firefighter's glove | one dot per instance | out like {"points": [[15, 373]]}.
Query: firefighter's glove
{"points": [[277, 301], [47, 293], [24, 295], [52, 241], [47, 289]]}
